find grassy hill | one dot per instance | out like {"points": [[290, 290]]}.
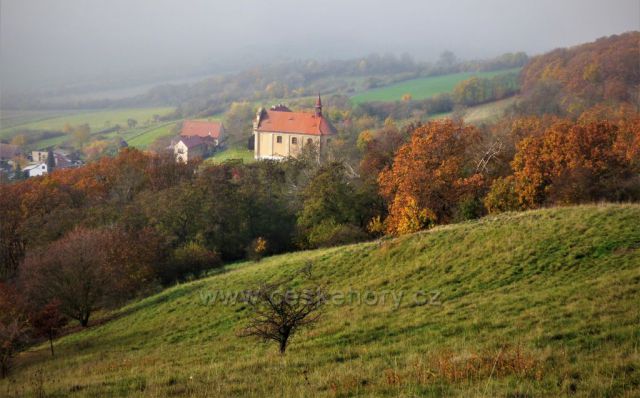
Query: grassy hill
{"points": [[540, 303], [423, 87]]}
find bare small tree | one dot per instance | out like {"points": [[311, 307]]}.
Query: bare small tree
{"points": [[278, 313]]}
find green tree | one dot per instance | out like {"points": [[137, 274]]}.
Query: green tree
{"points": [[238, 122], [51, 160]]}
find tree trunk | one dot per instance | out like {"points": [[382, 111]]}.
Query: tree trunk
{"points": [[51, 343], [283, 346], [84, 321]]}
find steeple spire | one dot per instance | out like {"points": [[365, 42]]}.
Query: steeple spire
{"points": [[319, 106]]}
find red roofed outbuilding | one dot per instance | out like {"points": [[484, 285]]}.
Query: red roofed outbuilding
{"points": [[201, 128]]}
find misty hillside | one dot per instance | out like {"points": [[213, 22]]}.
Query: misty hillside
{"points": [[520, 304]]}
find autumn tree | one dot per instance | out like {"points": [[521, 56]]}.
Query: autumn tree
{"points": [[432, 176], [578, 162], [13, 327], [80, 134], [12, 239], [48, 321], [86, 270]]}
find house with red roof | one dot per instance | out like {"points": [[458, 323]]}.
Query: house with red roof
{"points": [[280, 133], [203, 129], [190, 147], [197, 139]]}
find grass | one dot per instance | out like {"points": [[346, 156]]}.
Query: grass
{"points": [[11, 118], [144, 139], [422, 88], [231, 154], [484, 113], [540, 303]]}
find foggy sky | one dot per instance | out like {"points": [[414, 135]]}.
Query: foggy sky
{"points": [[45, 41]]}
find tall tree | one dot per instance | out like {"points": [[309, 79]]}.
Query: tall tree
{"points": [[431, 176]]}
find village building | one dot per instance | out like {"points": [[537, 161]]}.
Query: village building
{"points": [[203, 129], [197, 139], [191, 147], [280, 133], [62, 161], [35, 170]]}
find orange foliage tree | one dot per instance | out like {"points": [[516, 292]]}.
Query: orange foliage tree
{"points": [[432, 176], [578, 162]]}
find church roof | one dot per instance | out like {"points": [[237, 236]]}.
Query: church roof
{"points": [[294, 122]]}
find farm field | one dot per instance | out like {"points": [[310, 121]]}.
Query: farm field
{"points": [[143, 139], [422, 88], [9, 119], [97, 120], [538, 303]]}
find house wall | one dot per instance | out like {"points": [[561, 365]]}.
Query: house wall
{"points": [[39, 156], [267, 146], [41, 169], [183, 154]]}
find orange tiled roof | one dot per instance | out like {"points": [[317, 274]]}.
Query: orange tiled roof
{"points": [[201, 128], [294, 122]]}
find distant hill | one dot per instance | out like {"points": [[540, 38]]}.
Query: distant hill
{"points": [[571, 79], [521, 304]]}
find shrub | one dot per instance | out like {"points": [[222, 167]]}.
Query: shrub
{"points": [[191, 259], [257, 249], [502, 196], [330, 233]]}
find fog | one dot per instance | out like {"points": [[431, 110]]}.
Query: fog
{"points": [[47, 42]]}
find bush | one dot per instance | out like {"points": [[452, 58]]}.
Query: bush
{"points": [[257, 249], [502, 196], [469, 209], [191, 259], [329, 233]]}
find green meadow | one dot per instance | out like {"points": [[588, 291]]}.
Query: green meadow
{"points": [[232, 154], [422, 88], [14, 122], [538, 303]]}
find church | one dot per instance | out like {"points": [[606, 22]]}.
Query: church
{"points": [[280, 133]]}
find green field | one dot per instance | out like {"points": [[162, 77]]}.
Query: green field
{"points": [[9, 119], [422, 88], [230, 154], [14, 122], [145, 138], [540, 303]]}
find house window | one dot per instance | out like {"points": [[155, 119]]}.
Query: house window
{"points": [[294, 140], [279, 139], [309, 141]]}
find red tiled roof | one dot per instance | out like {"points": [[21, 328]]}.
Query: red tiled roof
{"points": [[194, 141], [201, 128], [294, 122]]}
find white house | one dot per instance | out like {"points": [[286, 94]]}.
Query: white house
{"points": [[35, 170]]}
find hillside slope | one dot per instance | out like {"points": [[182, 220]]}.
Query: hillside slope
{"points": [[524, 304]]}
